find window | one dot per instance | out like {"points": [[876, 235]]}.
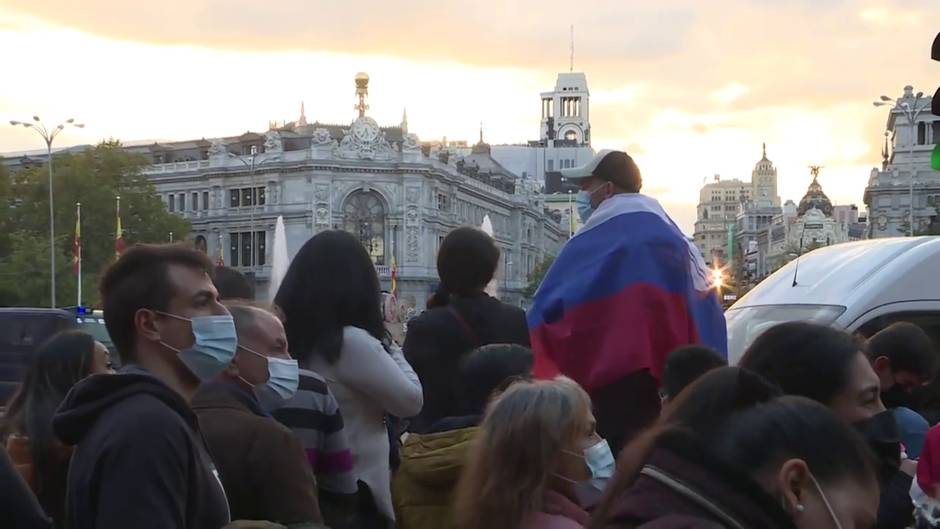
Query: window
{"points": [[205, 200], [171, 202], [364, 217], [921, 133], [194, 204], [182, 203], [547, 108], [442, 202], [240, 248], [571, 135], [247, 196]]}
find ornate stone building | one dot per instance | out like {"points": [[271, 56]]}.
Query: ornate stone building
{"points": [[906, 157], [398, 197]]}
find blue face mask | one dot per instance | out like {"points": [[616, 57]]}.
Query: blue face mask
{"points": [[600, 461], [213, 348], [283, 379], [583, 202]]}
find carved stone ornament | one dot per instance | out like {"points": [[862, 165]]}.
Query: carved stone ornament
{"points": [[322, 137], [322, 192], [410, 143], [217, 147], [323, 214], [364, 141], [273, 142]]}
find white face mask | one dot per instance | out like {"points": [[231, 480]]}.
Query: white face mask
{"points": [[283, 376], [600, 461], [825, 500]]}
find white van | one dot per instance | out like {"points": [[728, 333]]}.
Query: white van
{"points": [[859, 286]]}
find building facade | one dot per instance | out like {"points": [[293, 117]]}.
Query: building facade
{"points": [[378, 183], [730, 212], [906, 157], [564, 132]]}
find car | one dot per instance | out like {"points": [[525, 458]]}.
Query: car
{"points": [[21, 332], [861, 287]]}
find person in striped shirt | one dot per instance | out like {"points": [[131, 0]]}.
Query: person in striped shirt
{"points": [[314, 416]]}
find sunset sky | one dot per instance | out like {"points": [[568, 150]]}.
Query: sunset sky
{"points": [[689, 87]]}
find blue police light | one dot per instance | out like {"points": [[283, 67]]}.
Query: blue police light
{"points": [[81, 310]]}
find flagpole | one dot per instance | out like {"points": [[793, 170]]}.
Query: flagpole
{"points": [[78, 212]]}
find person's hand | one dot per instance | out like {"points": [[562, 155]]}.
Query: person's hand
{"points": [[909, 467]]}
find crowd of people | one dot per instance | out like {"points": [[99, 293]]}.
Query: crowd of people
{"points": [[608, 405]]}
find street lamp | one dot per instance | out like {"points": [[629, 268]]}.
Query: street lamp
{"points": [[251, 164], [911, 112], [49, 135]]}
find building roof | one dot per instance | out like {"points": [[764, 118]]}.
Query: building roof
{"points": [[815, 198]]}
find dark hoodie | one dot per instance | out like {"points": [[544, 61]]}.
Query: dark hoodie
{"points": [[680, 488], [140, 460]]}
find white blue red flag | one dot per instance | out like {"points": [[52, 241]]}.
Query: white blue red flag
{"points": [[625, 291]]}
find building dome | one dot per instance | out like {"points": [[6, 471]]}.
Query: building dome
{"points": [[815, 198]]}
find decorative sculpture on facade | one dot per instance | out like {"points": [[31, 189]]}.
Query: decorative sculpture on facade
{"points": [[273, 142], [364, 141]]}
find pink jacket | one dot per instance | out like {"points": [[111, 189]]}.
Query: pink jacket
{"points": [[559, 513]]}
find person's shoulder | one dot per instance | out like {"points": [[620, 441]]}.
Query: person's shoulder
{"points": [[140, 421], [357, 339], [541, 520]]}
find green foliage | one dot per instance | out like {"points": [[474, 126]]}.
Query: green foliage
{"points": [[538, 273], [94, 178]]}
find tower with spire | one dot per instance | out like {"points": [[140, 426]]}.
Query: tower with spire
{"points": [[764, 182], [302, 120]]}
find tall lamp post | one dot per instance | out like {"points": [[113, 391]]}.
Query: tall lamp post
{"points": [[49, 135], [251, 164], [911, 112]]}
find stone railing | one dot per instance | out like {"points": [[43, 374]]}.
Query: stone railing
{"points": [[176, 166]]}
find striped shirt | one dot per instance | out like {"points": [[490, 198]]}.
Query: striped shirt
{"points": [[314, 416]]}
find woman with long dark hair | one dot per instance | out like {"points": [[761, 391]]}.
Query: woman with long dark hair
{"points": [[330, 301], [460, 317], [39, 456], [731, 453], [831, 367]]}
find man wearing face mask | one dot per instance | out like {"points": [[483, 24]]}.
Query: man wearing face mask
{"points": [[140, 460], [261, 464], [905, 359], [626, 290]]}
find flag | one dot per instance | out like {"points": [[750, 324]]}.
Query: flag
{"points": [[625, 291], [119, 233], [221, 260], [394, 273], [77, 241]]}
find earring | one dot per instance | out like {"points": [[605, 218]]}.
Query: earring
{"points": [[800, 508]]}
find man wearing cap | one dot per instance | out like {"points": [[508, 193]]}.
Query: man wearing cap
{"points": [[625, 291]]}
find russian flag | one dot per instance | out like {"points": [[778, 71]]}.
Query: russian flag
{"points": [[623, 293]]}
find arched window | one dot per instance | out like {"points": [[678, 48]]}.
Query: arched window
{"points": [[571, 135], [364, 217]]}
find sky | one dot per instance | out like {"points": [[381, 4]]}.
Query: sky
{"points": [[689, 88]]}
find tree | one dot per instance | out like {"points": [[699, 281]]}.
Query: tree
{"points": [[538, 273], [94, 178]]}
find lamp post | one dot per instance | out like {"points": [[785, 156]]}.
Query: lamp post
{"points": [[911, 112], [49, 135], [251, 163]]}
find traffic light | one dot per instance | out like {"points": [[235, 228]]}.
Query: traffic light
{"points": [[935, 106]]}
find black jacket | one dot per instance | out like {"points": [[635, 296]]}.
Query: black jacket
{"points": [[18, 507], [140, 460], [437, 340]]}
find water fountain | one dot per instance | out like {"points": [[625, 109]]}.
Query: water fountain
{"points": [[280, 261], [487, 228]]}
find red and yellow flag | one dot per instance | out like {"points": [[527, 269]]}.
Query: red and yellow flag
{"points": [[394, 274], [77, 241], [119, 233]]}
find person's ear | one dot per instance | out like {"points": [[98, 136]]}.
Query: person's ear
{"points": [[146, 325], [791, 481], [882, 365]]}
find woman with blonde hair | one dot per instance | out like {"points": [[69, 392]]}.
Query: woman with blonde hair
{"points": [[537, 461]]}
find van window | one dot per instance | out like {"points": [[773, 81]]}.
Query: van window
{"points": [[928, 321], [745, 324]]}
